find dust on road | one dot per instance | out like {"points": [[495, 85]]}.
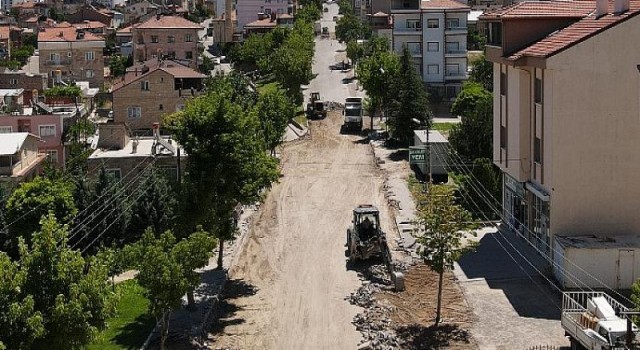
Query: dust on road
{"points": [[292, 273]]}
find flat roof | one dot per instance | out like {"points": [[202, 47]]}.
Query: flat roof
{"points": [[144, 150], [599, 242], [11, 143], [434, 136]]}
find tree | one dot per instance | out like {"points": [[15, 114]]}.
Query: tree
{"points": [[118, 65], [355, 51], [291, 63], [479, 187], [308, 13], [445, 223], [482, 72], [228, 160], [349, 28], [31, 200], [274, 110], [166, 270], [344, 7], [409, 103], [71, 293], [472, 138], [256, 50], [21, 324], [375, 73], [155, 208]]}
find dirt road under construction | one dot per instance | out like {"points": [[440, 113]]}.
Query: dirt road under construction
{"points": [[288, 286]]}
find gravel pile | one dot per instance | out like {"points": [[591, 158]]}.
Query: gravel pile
{"points": [[374, 322]]}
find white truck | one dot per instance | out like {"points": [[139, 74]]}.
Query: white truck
{"points": [[353, 113], [592, 321]]}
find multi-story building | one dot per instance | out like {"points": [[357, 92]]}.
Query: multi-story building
{"points": [[48, 127], [70, 54], [33, 84], [20, 159], [435, 32], [249, 10], [172, 37], [566, 129], [151, 90]]}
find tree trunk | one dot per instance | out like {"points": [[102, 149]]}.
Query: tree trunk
{"points": [[439, 297], [191, 300], [164, 329], [220, 252]]}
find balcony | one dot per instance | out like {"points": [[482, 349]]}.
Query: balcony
{"points": [[455, 53], [455, 31], [407, 31], [452, 76], [61, 62]]}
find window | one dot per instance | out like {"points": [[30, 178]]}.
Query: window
{"points": [[433, 69], [453, 23], [433, 46], [89, 73], [5, 129], [414, 48], [494, 33], [154, 39], [452, 91], [171, 54], [538, 90], [452, 69], [69, 54], [414, 24], [503, 136], [144, 85], [267, 12], [52, 155], [280, 11], [267, 1], [134, 112], [13, 81], [406, 4], [54, 57], [161, 107], [47, 130], [171, 39], [188, 55], [114, 173], [453, 47], [503, 84], [188, 38], [537, 150], [89, 56], [433, 23]]}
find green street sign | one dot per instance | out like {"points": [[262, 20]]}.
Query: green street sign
{"points": [[417, 156]]}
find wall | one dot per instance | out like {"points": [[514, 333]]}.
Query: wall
{"points": [[23, 81], [149, 50], [596, 123], [247, 10], [431, 58], [47, 143], [74, 67]]}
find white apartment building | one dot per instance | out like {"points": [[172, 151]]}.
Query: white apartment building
{"points": [[435, 32]]}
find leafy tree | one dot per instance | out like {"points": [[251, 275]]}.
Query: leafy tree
{"points": [[344, 7], [476, 40], [166, 270], [155, 208], [309, 13], [291, 62], [30, 39], [355, 51], [118, 65], [479, 187], [70, 293], [22, 54], [349, 28], [255, 51], [21, 324], [409, 101], [31, 200], [63, 91], [228, 163], [472, 138], [274, 110], [376, 73], [445, 223], [206, 66], [482, 72]]}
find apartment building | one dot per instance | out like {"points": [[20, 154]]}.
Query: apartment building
{"points": [[566, 124], [172, 37], [33, 84], [70, 54], [151, 90], [435, 32], [248, 11], [48, 127]]}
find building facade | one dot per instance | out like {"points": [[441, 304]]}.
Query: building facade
{"points": [[435, 32], [20, 159], [70, 54], [48, 127], [566, 117], [150, 91], [170, 37], [33, 84], [249, 10]]}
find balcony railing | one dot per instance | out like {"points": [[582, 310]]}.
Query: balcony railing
{"points": [[454, 52], [404, 30], [456, 75], [455, 30], [61, 62]]}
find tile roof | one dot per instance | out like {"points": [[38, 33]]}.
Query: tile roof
{"points": [[581, 30], [442, 4], [65, 34], [262, 23], [89, 25], [543, 9], [175, 69], [125, 30], [168, 22]]}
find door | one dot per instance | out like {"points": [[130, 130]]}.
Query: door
{"points": [[626, 261]]}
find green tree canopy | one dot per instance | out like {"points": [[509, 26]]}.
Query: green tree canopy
{"points": [[292, 62], [155, 207], [274, 110], [482, 72], [31, 200], [376, 73], [409, 102], [473, 137], [349, 28], [472, 97]]}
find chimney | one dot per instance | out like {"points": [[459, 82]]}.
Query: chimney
{"points": [[134, 145], [156, 130], [602, 6], [621, 6]]}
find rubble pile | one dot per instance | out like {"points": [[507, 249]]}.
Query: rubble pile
{"points": [[374, 322]]}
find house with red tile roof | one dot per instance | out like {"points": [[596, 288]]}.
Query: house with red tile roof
{"points": [[153, 89], [565, 122], [71, 54], [171, 37]]}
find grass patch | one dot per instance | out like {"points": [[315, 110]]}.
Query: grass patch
{"points": [[131, 326], [442, 127], [301, 118], [268, 87]]}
